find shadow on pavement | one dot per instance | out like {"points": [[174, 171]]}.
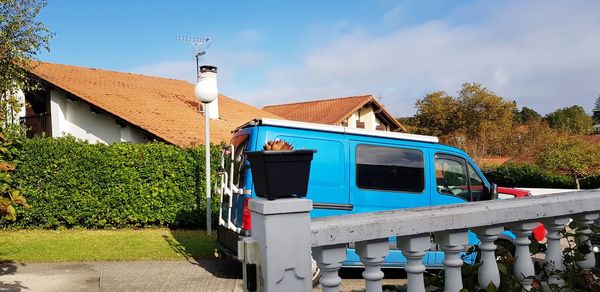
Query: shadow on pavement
{"points": [[202, 254], [10, 268]]}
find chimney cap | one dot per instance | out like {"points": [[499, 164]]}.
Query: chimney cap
{"points": [[208, 68]]}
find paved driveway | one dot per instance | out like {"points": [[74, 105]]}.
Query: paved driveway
{"points": [[209, 275]]}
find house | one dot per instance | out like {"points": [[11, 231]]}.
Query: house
{"points": [[107, 106], [363, 112]]}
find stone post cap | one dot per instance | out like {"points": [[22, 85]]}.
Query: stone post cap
{"points": [[280, 206]]}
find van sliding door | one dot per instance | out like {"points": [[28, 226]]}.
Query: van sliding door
{"points": [[387, 177]]}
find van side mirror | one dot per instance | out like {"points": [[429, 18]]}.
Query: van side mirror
{"points": [[494, 192]]}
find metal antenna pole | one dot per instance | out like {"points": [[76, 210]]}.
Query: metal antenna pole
{"points": [[200, 46]]}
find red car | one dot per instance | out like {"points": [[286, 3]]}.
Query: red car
{"points": [[539, 232]]}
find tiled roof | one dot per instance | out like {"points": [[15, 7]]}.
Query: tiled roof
{"points": [[164, 107], [328, 111]]}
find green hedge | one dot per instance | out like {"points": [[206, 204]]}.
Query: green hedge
{"points": [[527, 175], [71, 183]]}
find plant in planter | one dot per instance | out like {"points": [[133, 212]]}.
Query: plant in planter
{"points": [[280, 171]]}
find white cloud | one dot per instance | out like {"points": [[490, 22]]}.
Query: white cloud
{"points": [[542, 54]]}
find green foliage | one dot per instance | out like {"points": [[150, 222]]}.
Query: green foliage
{"points": [[10, 195], [596, 111], [528, 175], [477, 120], [579, 158], [437, 114], [21, 39], [571, 119], [526, 115], [71, 183]]}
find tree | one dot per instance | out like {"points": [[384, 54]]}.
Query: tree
{"points": [[596, 111], [572, 119], [578, 158], [526, 116], [478, 120], [21, 40], [437, 114]]}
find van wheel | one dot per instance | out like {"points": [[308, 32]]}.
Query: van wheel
{"points": [[316, 273]]}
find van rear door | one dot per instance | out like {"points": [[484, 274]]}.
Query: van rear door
{"points": [[328, 181]]}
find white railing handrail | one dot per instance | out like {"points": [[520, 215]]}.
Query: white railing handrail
{"points": [[408, 222]]}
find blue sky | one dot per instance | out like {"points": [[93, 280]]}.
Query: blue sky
{"points": [[543, 54]]}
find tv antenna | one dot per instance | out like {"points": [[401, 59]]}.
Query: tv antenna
{"points": [[200, 47]]}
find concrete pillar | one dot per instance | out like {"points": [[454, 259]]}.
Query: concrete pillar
{"points": [[452, 244], [330, 259], [488, 271], [414, 248], [281, 229], [372, 253]]}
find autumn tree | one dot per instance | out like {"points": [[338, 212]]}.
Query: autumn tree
{"points": [[596, 111], [526, 115], [437, 114], [578, 158], [22, 38], [572, 119], [477, 120]]}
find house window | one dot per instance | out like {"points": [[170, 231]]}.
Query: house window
{"points": [[360, 125], [380, 128], [389, 168]]}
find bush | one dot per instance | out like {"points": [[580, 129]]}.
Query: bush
{"points": [[71, 183], [527, 175]]}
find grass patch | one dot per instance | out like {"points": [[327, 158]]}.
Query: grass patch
{"points": [[104, 245]]}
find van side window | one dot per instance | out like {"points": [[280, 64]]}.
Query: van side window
{"points": [[239, 159], [455, 177], [391, 169]]}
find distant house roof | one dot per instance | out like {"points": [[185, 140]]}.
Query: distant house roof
{"points": [[331, 111], [163, 107]]}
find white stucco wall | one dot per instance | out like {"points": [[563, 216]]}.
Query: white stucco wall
{"points": [[366, 115], [76, 119]]}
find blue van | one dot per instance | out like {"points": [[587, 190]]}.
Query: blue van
{"points": [[353, 171]]}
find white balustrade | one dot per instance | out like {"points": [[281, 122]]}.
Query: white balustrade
{"points": [[413, 248], [523, 266], [452, 244], [554, 256], [330, 259], [283, 266], [488, 271], [372, 254], [584, 221]]}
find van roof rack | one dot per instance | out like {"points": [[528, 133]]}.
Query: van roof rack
{"points": [[337, 129]]}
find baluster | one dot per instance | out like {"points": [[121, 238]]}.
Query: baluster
{"points": [[488, 271], [554, 256], [584, 221], [330, 259], [413, 248], [523, 267], [372, 254], [452, 244]]}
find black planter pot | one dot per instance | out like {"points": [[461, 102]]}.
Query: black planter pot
{"points": [[280, 174]]}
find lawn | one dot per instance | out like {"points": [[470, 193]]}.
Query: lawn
{"points": [[104, 245]]}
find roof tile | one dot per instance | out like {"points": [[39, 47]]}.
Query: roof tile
{"points": [[164, 107]]}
